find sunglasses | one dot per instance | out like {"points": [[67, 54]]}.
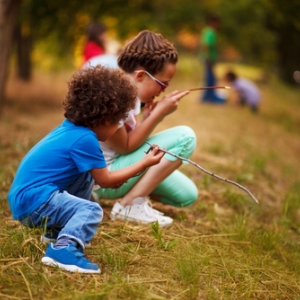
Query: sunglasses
{"points": [[163, 85]]}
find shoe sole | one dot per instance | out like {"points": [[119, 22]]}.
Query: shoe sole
{"points": [[115, 217], [71, 268]]}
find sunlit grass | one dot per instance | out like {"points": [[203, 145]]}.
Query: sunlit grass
{"points": [[291, 207], [224, 246]]}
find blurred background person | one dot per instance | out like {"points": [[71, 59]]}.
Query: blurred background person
{"points": [[208, 54], [96, 40], [245, 91]]}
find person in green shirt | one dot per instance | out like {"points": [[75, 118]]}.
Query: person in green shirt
{"points": [[208, 55]]}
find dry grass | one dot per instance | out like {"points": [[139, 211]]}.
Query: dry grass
{"points": [[222, 247]]}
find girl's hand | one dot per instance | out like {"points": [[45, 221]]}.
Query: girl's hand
{"points": [[153, 157], [148, 108], [169, 103]]}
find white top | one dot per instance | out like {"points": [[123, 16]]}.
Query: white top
{"points": [[249, 91], [111, 61], [130, 123], [106, 60]]}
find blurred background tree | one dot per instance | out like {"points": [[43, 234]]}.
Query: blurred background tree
{"points": [[9, 10], [266, 32], [259, 32]]}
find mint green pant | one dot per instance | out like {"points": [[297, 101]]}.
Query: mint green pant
{"points": [[177, 189]]}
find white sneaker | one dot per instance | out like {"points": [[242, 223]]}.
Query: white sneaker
{"points": [[140, 211]]}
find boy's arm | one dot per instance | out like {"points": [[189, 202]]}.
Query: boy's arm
{"points": [[125, 142], [107, 179]]}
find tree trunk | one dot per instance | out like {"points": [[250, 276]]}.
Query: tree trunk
{"points": [[8, 16], [24, 47], [288, 52]]}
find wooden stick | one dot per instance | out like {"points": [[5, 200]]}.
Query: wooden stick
{"points": [[205, 171], [209, 87]]}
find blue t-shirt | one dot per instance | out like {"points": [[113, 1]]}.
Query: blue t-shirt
{"points": [[53, 164]]}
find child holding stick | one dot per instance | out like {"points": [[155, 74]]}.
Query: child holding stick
{"points": [[149, 61], [53, 184]]}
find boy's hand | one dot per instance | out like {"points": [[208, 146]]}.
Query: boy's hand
{"points": [[118, 185], [153, 157]]}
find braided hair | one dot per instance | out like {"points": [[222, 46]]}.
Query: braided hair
{"points": [[148, 50]]}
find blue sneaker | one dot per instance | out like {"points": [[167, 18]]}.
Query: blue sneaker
{"points": [[69, 259]]}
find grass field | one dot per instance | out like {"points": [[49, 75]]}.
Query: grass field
{"points": [[222, 247]]}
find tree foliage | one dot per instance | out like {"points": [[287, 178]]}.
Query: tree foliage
{"points": [[61, 18], [265, 32], [244, 27], [284, 21]]}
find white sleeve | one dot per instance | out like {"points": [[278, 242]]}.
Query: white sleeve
{"points": [[137, 108]]}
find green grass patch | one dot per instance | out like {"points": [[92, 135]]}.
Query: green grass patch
{"points": [[224, 246]]}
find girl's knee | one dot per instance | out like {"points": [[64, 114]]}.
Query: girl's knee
{"points": [[188, 131], [190, 135], [188, 141]]}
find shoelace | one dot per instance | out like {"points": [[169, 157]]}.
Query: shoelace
{"points": [[150, 210]]}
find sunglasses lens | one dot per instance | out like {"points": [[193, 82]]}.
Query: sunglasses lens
{"points": [[162, 85]]}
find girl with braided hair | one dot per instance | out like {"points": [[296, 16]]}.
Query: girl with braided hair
{"points": [[149, 61]]}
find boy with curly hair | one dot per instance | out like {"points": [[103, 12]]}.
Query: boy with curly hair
{"points": [[53, 184]]}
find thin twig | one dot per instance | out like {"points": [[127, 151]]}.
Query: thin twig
{"points": [[209, 87], [205, 171]]}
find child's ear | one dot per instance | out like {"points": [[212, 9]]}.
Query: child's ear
{"points": [[139, 76]]}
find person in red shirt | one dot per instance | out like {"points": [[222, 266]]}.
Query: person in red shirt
{"points": [[96, 38]]}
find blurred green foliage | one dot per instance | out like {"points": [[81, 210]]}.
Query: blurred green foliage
{"points": [[264, 32]]}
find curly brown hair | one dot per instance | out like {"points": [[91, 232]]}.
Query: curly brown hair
{"points": [[98, 96], [148, 50]]}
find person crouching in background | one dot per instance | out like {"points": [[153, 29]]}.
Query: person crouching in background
{"points": [[246, 92]]}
